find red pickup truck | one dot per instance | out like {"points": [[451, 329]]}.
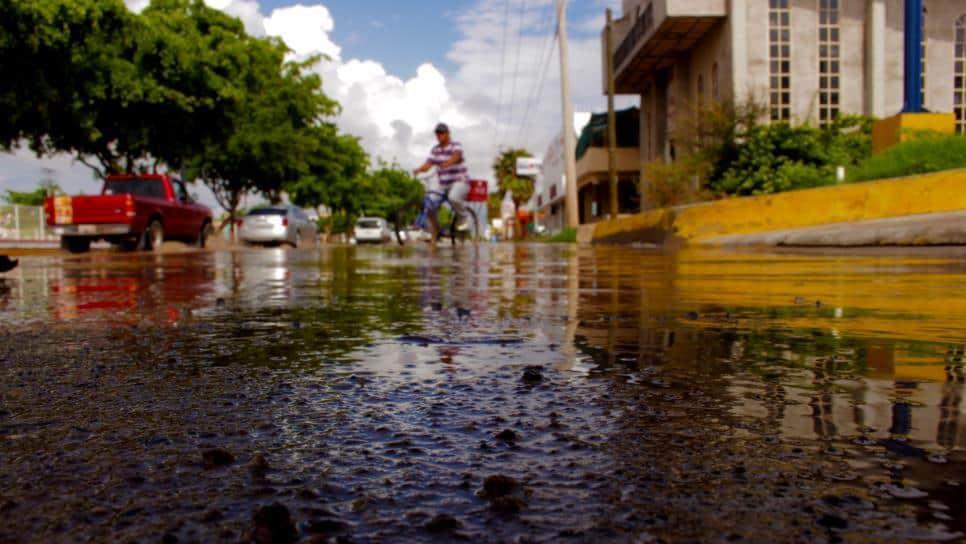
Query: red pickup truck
{"points": [[134, 212]]}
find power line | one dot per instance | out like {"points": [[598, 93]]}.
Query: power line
{"points": [[499, 111], [538, 91], [534, 96], [516, 67]]}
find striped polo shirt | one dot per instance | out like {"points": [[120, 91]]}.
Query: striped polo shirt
{"points": [[454, 173]]}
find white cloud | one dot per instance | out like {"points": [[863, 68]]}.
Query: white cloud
{"points": [[305, 29], [395, 116], [246, 10]]}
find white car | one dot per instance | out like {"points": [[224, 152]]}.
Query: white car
{"points": [[372, 230], [278, 225]]}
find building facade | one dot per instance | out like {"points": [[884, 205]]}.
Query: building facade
{"points": [[803, 60], [549, 191], [593, 187], [593, 178]]}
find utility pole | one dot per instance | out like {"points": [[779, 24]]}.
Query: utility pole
{"points": [[570, 139], [611, 117]]}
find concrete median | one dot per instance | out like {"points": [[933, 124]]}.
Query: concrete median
{"points": [[918, 210]]}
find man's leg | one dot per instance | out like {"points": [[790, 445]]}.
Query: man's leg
{"points": [[458, 192]]}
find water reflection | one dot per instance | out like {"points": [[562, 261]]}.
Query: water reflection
{"points": [[856, 358], [822, 347]]}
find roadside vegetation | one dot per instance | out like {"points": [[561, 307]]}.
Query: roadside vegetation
{"points": [[927, 153], [567, 235], [725, 150]]}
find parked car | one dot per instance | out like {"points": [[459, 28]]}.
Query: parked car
{"points": [[372, 230], [278, 225], [133, 212]]}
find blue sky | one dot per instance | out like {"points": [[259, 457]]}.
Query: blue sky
{"points": [[403, 35]]}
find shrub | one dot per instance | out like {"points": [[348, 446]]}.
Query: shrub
{"points": [[779, 157], [734, 153], [927, 153], [674, 183]]}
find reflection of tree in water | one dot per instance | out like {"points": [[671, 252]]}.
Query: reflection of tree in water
{"points": [[331, 315]]}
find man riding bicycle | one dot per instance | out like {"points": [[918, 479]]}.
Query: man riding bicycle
{"points": [[450, 165]]}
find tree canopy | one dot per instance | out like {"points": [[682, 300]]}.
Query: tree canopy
{"points": [[179, 86], [393, 194]]}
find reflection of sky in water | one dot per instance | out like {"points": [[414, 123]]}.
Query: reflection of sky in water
{"points": [[824, 349]]}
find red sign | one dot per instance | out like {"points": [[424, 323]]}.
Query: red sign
{"points": [[478, 191]]}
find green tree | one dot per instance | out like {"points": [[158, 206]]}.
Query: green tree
{"points": [[47, 187], [63, 61], [31, 198], [392, 193], [119, 91], [275, 136], [505, 172], [335, 175]]}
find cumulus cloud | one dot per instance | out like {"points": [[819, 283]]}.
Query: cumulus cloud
{"points": [[305, 29]]}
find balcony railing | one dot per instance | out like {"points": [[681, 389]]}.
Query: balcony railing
{"points": [[641, 27]]}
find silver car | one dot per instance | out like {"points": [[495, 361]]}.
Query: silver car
{"points": [[372, 230], [278, 225]]}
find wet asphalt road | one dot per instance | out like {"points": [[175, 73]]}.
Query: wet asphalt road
{"points": [[512, 393]]}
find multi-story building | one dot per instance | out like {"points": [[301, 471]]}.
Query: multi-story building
{"points": [[593, 185], [550, 187], [803, 60]]}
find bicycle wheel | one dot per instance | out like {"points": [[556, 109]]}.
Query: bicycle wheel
{"points": [[470, 232]]}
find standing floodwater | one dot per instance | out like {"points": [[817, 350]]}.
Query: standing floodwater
{"points": [[487, 393]]}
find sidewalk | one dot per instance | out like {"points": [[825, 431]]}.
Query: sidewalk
{"points": [[914, 211], [6, 243]]}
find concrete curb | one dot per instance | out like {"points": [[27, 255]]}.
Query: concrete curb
{"points": [[844, 206]]}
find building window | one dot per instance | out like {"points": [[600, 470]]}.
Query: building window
{"points": [[959, 76], [780, 60], [715, 85], [829, 34]]}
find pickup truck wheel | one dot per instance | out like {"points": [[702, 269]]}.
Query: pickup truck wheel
{"points": [[203, 235], [153, 236], [75, 245]]}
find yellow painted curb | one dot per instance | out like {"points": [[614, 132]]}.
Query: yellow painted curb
{"points": [[932, 193]]}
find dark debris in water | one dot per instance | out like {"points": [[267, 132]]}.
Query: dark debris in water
{"points": [[216, 457], [273, 524]]}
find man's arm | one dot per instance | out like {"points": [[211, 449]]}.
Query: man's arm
{"points": [[455, 159], [424, 168]]}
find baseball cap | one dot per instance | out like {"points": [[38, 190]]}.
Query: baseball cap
{"points": [[441, 128]]}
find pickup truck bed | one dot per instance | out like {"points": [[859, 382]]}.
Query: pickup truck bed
{"points": [[132, 212]]}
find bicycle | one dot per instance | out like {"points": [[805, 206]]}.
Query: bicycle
{"points": [[433, 201]]}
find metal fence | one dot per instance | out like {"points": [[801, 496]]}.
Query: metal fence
{"points": [[24, 223]]}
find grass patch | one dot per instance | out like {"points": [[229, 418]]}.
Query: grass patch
{"points": [[565, 236], [928, 153]]}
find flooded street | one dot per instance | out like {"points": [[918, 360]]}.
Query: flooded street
{"points": [[505, 393]]}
